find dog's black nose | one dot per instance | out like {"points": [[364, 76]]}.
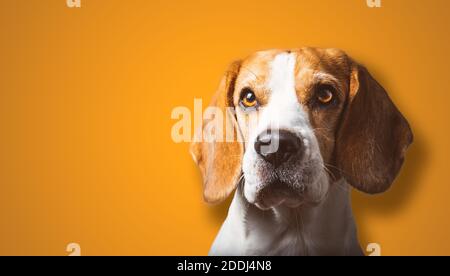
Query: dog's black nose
{"points": [[278, 146]]}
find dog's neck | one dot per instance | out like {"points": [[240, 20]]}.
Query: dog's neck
{"points": [[324, 229]]}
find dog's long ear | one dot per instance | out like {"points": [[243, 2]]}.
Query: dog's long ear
{"points": [[373, 135], [220, 158]]}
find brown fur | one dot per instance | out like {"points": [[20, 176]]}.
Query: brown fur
{"points": [[363, 138], [220, 162]]}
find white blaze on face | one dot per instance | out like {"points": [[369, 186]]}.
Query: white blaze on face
{"points": [[283, 111], [281, 83]]}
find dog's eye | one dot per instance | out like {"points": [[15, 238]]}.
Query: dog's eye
{"points": [[325, 95], [248, 98]]}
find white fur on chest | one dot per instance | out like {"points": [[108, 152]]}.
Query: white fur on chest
{"points": [[326, 229]]}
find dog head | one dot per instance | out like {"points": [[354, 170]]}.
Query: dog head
{"points": [[301, 118]]}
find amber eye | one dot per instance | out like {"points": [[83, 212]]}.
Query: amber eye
{"points": [[325, 95], [248, 98]]}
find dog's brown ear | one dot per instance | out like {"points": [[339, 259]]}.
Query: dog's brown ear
{"points": [[373, 136], [218, 157]]}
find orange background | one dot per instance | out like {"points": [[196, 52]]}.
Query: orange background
{"points": [[86, 97]]}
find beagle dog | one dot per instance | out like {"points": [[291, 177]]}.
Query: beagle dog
{"points": [[321, 124]]}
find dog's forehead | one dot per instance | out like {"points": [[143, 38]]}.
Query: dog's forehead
{"points": [[257, 67]]}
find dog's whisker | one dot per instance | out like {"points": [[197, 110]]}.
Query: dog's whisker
{"points": [[339, 185], [334, 167], [321, 128]]}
